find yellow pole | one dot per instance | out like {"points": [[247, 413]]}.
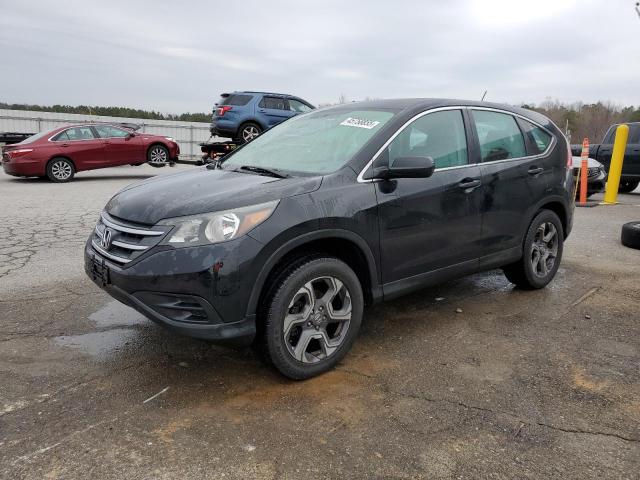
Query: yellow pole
{"points": [[615, 167]]}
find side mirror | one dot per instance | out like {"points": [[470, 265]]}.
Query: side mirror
{"points": [[406, 167], [131, 134]]}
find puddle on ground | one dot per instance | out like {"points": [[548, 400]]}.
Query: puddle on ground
{"points": [[99, 344], [116, 314], [114, 322]]}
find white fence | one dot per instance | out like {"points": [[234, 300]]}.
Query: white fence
{"points": [[187, 134]]}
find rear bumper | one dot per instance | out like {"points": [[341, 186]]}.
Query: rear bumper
{"points": [[23, 168], [223, 128]]}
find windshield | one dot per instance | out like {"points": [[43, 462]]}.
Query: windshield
{"points": [[316, 143]]}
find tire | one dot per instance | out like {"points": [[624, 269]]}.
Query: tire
{"points": [[628, 186], [528, 272], [311, 316], [60, 170], [248, 131], [630, 236], [158, 156]]}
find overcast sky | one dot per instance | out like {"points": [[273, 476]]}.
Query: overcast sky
{"points": [[179, 56]]}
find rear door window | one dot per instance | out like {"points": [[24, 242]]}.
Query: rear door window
{"points": [[273, 103], [439, 135], [499, 136], [75, 133], [236, 100], [539, 139], [634, 134]]}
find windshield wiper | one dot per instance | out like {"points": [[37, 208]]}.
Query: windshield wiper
{"points": [[272, 172]]}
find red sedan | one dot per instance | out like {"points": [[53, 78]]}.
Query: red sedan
{"points": [[60, 153]]}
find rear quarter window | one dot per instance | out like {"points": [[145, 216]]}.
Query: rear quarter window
{"points": [[539, 139], [235, 100]]}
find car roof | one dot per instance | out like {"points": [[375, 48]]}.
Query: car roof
{"points": [[420, 104], [284, 95], [125, 125]]}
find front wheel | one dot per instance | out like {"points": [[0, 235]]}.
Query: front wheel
{"points": [[628, 186], [158, 156], [542, 252], [312, 316]]}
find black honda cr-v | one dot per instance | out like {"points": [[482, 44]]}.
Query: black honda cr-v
{"points": [[285, 242]]}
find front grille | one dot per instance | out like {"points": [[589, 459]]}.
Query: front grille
{"points": [[124, 242]]}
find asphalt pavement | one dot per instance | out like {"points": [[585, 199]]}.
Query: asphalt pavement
{"points": [[470, 379]]}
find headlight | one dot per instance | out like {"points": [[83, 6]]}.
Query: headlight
{"points": [[208, 228]]}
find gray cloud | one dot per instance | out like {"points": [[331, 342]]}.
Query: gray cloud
{"points": [[177, 57]]}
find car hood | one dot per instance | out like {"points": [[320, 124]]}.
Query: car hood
{"points": [[201, 190], [592, 163]]}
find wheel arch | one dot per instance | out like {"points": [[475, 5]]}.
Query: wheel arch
{"points": [[342, 244], [559, 209], [255, 121], [66, 157], [154, 144]]}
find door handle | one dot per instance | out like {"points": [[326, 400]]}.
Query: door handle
{"points": [[469, 184], [261, 110], [64, 145], [535, 171]]}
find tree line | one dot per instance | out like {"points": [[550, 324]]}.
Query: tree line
{"points": [[578, 120], [582, 120], [111, 112]]}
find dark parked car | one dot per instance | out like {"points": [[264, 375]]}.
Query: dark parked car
{"points": [[596, 176], [63, 151], [286, 241], [243, 116], [631, 166]]}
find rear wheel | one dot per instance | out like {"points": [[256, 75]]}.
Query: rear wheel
{"points": [[542, 253], [60, 170], [311, 316], [248, 132], [628, 186], [158, 156]]}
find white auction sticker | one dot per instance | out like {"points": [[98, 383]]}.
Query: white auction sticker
{"points": [[360, 123]]}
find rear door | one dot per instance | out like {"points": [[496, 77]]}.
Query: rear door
{"points": [[274, 110], [81, 145], [431, 223], [121, 148], [516, 172], [631, 165]]}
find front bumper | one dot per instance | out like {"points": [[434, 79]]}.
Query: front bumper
{"points": [[200, 292]]}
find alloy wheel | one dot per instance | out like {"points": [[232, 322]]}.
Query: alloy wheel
{"points": [[544, 249], [249, 133], [61, 170], [158, 155], [317, 319]]}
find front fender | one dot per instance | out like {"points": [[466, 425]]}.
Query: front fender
{"points": [[298, 241]]}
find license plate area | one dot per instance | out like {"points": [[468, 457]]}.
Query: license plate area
{"points": [[99, 271]]}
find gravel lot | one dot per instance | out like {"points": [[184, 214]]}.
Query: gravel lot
{"points": [[542, 384]]}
